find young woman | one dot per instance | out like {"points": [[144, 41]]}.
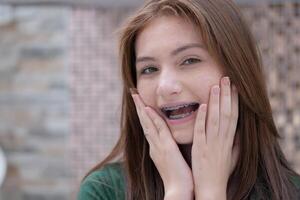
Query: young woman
{"points": [[196, 120]]}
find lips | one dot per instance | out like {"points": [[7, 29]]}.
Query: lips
{"points": [[178, 111]]}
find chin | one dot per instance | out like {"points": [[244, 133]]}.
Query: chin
{"points": [[183, 137]]}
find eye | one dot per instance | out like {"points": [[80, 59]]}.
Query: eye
{"points": [[190, 61], [148, 70]]}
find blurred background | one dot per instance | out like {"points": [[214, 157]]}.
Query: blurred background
{"points": [[60, 87]]}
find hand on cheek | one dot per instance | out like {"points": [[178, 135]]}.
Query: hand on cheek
{"points": [[173, 169], [213, 154]]}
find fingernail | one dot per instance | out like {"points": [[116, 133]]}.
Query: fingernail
{"points": [[133, 91], [203, 107], [216, 89], [226, 80], [234, 88]]}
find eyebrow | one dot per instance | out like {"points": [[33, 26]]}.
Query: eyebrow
{"points": [[173, 53]]}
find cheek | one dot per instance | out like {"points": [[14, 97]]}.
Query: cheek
{"points": [[204, 84], [146, 92]]}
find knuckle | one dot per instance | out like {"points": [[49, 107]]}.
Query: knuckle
{"points": [[159, 128], [203, 154], [227, 92], [234, 115], [159, 125], [227, 115], [156, 121], [200, 129]]}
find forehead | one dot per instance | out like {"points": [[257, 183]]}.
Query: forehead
{"points": [[170, 31]]}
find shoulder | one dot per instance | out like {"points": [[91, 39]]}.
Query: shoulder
{"points": [[296, 181], [261, 192], [105, 183]]}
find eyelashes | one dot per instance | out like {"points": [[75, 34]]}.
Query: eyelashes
{"points": [[190, 61], [151, 69]]}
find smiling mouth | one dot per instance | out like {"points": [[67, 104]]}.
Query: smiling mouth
{"points": [[180, 111]]}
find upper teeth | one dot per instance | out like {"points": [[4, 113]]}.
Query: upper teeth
{"points": [[177, 107]]}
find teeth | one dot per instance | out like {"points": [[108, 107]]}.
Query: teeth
{"points": [[170, 111], [177, 107]]}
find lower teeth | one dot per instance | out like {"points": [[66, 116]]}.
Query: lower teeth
{"points": [[180, 116]]}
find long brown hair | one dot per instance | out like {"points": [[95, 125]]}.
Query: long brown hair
{"points": [[262, 167]]}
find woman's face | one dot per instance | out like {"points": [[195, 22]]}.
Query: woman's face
{"points": [[174, 70]]}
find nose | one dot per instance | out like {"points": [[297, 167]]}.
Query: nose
{"points": [[169, 85]]}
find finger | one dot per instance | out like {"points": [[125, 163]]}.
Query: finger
{"points": [[199, 129], [234, 114], [146, 123], [161, 127], [213, 114], [225, 107], [140, 113]]}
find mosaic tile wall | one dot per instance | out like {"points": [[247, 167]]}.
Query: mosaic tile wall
{"points": [[96, 83], [277, 30], [95, 86]]}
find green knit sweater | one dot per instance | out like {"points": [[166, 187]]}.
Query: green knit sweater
{"points": [[109, 184]]}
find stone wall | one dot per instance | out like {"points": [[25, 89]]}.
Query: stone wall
{"points": [[34, 101], [60, 90]]}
